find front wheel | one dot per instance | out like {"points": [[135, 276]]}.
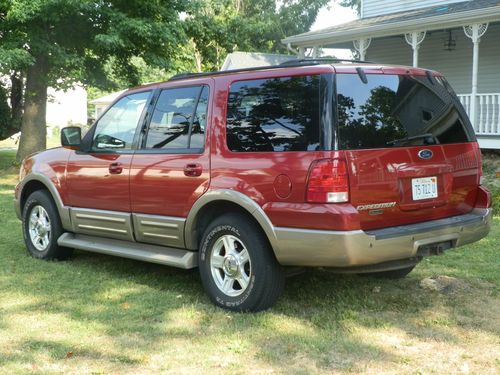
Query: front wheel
{"points": [[237, 265], [42, 227]]}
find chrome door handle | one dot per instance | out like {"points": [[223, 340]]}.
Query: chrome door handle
{"points": [[115, 168], [193, 170]]}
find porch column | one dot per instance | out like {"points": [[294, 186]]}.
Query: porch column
{"points": [[414, 39], [302, 52], [361, 45], [475, 32], [315, 51]]}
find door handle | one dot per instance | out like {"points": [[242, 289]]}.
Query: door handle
{"points": [[193, 170], [115, 168]]}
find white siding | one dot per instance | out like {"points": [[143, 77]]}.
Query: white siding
{"points": [[455, 65], [378, 7]]}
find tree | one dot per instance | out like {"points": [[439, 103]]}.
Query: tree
{"points": [[113, 44], [59, 43], [218, 27]]}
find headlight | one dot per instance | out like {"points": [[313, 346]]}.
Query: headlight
{"points": [[22, 172]]}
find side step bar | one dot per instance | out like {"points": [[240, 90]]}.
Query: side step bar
{"points": [[149, 253]]}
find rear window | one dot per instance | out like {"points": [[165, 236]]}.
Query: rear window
{"points": [[278, 114], [394, 111]]}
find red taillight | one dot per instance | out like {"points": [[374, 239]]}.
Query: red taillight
{"points": [[328, 182], [483, 199], [479, 158]]}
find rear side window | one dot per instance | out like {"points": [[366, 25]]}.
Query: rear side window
{"points": [[278, 114], [394, 111]]}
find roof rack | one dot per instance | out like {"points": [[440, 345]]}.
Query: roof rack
{"points": [[289, 63], [320, 60]]}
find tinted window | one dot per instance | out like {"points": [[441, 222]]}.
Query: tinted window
{"points": [[392, 111], [279, 114], [116, 128], [179, 119]]}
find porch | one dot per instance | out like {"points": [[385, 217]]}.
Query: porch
{"points": [[459, 40], [487, 124]]}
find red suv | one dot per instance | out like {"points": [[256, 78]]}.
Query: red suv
{"points": [[351, 166]]}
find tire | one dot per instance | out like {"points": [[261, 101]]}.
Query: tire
{"points": [[42, 227], [237, 280], [392, 274]]}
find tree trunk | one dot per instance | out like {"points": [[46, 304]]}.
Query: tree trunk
{"points": [[33, 127], [16, 98]]}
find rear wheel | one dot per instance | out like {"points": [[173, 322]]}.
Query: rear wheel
{"points": [[237, 266], [42, 227], [392, 274]]}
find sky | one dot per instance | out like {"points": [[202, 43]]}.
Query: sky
{"points": [[334, 14]]}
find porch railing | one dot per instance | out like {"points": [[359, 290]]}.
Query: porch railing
{"points": [[487, 112]]}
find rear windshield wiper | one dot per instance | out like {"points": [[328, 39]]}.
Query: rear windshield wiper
{"points": [[429, 139]]}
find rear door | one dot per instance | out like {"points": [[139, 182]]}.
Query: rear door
{"points": [[410, 148], [171, 170]]}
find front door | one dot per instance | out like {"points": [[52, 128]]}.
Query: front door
{"points": [[171, 169], [98, 178]]}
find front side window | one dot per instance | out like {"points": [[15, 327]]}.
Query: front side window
{"points": [[116, 128], [277, 114], [179, 119], [395, 111]]}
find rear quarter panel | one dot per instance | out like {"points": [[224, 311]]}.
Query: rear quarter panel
{"points": [[255, 174]]}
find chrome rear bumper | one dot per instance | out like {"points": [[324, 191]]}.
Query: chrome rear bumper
{"points": [[317, 248]]}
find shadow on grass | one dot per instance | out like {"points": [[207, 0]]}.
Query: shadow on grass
{"points": [[151, 304], [109, 309]]}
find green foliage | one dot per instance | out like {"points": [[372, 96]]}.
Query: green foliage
{"points": [[113, 44], [218, 27], [101, 43], [82, 38]]}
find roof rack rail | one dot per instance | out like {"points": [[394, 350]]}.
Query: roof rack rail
{"points": [[318, 60], [289, 63], [182, 75]]}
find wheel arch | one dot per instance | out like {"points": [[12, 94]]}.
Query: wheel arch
{"points": [[211, 203], [34, 182]]}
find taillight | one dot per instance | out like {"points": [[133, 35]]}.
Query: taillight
{"points": [[479, 159], [328, 182]]}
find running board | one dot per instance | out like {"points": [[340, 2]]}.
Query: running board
{"points": [[149, 253]]}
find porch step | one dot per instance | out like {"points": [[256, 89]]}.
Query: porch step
{"points": [[149, 253]]}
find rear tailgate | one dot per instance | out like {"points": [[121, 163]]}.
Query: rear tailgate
{"points": [[411, 151], [385, 184]]}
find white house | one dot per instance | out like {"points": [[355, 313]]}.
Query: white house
{"points": [[66, 107], [100, 104], [459, 38]]}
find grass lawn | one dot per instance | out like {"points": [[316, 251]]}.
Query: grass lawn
{"points": [[97, 315], [10, 144]]}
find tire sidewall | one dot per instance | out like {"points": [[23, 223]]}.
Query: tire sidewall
{"points": [[219, 297]]}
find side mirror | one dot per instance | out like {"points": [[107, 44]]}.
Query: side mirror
{"points": [[71, 137]]}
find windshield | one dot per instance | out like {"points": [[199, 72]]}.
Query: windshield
{"points": [[396, 111]]}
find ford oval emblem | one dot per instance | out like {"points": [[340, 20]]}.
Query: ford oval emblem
{"points": [[425, 154]]}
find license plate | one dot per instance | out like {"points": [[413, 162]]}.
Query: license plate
{"points": [[424, 188]]}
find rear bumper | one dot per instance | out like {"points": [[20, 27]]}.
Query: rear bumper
{"points": [[317, 248]]}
